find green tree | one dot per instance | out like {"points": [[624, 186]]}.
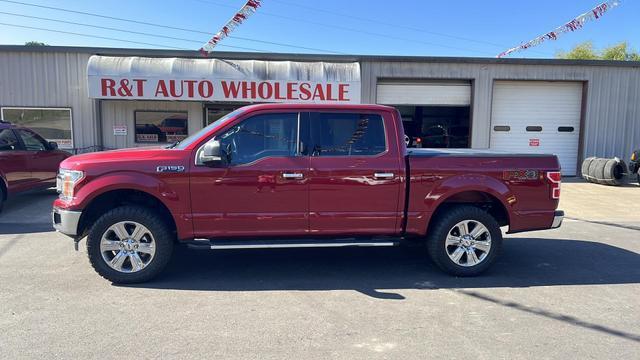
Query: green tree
{"points": [[585, 51], [35, 43]]}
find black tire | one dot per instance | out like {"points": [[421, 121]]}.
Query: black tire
{"points": [[615, 172], [598, 170], [439, 230], [585, 167], [592, 170], [162, 235]]}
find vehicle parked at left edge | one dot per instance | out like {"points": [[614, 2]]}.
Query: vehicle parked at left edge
{"points": [[27, 161], [634, 165]]}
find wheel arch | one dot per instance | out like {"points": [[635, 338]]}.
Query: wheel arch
{"points": [[119, 197]]}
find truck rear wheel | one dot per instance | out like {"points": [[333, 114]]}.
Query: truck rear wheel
{"points": [[464, 240], [129, 244]]}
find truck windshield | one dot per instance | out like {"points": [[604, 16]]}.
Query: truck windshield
{"points": [[194, 137]]}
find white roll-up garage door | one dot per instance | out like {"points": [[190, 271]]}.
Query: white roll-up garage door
{"points": [[443, 93], [538, 117]]}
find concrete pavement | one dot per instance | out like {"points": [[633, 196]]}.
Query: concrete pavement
{"points": [[571, 292]]}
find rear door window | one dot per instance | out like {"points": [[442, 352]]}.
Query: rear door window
{"points": [[347, 134], [8, 140]]}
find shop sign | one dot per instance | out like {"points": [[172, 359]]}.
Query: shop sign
{"points": [[147, 137], [245, 81], [534, 142], [129, 88], [120, 130]]}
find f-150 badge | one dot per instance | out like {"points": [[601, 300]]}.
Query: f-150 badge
{"points": [[170, 168]]}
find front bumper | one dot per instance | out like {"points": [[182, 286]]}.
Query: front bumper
{"points": [[66, 221], [558, 216]]}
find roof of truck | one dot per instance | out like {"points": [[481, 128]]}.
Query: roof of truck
{"points": [[336, 106]]}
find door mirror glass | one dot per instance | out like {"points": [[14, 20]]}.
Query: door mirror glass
{"points": [[212, 154], [53, 145]]}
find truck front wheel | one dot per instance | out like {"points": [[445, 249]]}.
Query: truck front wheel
{"points": [[129, 244], [464, 240]]}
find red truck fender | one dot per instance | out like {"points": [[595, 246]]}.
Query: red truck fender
{"points": [[178, 208], [454, 186]]}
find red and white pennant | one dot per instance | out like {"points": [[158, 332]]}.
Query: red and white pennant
{"points": [[243, 14], [572, 25]]}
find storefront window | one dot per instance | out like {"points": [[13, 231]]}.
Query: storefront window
{"points": [[50, 123], [160, 126], [216, 112]]}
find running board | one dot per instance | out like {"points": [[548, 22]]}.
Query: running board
{"points": [[287, 244]]}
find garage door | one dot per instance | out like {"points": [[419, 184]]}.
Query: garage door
{"points": [[538, 117], [449, 93]]}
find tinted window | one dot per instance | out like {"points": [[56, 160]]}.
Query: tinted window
{"points": [[32, 141], [534, 128], [8, 140], [502, 128], [565, 129], [160, 126], [261, 136], [340, 134]]}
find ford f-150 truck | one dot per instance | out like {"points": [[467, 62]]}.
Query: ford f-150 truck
{"points": [[294, 175]]}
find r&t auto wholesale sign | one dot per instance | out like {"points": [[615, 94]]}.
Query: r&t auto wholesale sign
{"points": [[221, 80]]}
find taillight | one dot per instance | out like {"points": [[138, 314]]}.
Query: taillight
{"points": [[555, 178]]}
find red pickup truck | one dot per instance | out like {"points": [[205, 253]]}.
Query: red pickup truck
{"points": [[276, 176]]}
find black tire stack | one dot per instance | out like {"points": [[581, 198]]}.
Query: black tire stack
{"points": [[605, 171]]}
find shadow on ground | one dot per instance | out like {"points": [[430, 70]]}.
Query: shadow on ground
{"points": [[525, 262], [28, 213]]}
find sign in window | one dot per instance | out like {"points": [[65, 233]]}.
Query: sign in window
{"points": [[160, 126]]}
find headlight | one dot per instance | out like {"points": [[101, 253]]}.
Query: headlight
{"points": [[66, 182]]}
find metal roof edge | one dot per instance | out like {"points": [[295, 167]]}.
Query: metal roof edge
{"points": [[312, 57]]}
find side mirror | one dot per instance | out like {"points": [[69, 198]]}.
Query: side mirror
{"points": [[212, 154], [53, 145]]}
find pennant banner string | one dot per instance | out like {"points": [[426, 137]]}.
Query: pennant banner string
{"points": [[573, 25], [243, 14]]}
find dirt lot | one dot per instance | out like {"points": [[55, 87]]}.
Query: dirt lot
{"points": [[567, 293]]}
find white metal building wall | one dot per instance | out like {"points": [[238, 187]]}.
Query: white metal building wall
{"points": [[121, 112], [612, 105], [50, 79]]}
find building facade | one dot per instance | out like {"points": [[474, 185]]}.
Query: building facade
{"points": [[90, 99]]}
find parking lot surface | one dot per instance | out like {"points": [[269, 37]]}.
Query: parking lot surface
{"points": [[567, 293]]}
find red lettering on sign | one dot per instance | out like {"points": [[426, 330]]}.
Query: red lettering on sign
{"points": [[305, 91], [265, 90], [318, 93], [276, 91], [248, 87], [108, 85], [291, 91], [534, 142], [230, 89], [205, 89], [161, 89], [140, 86], [173, 89], [190, 87], [342, 92]]}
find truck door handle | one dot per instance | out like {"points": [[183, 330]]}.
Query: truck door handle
{"points": [[292, 176], [383, 175]]}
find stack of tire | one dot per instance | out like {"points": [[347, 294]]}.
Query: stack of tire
{"points": [[605, 171]]}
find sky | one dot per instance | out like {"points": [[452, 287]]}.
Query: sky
{"points": [[373, 27]]}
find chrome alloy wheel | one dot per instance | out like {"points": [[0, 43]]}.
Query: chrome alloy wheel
{"points": [[468, 243], [127, 246]]}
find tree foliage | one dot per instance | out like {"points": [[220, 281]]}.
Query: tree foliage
{"points": [[35, 43], [586, 51]]}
